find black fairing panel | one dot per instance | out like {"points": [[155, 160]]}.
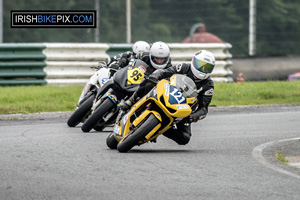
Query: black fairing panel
{"points": [[120, 77]]}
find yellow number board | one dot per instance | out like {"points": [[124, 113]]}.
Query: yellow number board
{"points": [[134, 76]]}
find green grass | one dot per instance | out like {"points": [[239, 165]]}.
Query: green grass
{"points": [[30, 99], [281, 157], [256, 93]]}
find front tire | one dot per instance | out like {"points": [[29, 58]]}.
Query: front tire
{"points": [[80, 112], [106, 106], [111, 142], [98, 128], [130, 141]]}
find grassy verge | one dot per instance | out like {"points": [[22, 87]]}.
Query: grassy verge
{"points": [[30, 99], [256, 93], [281, 157]]}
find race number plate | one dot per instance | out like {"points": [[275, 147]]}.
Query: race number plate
{"points": [[135, 76]]}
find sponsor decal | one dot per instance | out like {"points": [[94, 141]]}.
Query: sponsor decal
{"points": [[116, 130], [173, 80], [104, 80], [178, 67], [133, 62], [209, 92], [113, 97], [167, 89], [182, 107], [207, 59], [125, 119], [142, 68]]}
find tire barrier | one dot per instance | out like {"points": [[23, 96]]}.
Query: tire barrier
{"points": [[22, 64], [70, 63]]}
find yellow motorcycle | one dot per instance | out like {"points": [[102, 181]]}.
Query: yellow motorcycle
{"points": [[165, 105]]}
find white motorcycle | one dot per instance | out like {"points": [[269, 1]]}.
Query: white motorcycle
{"points": [[87, 96]]}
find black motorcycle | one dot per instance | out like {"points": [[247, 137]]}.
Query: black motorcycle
{"points": [[121, 86]]}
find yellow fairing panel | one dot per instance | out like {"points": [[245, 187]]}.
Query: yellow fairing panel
{"points": [[144, 115], [182, 110], [134, 76]]}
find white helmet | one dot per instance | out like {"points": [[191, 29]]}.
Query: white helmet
{"points": [[159, 55], [140, 46], [203, 64]]}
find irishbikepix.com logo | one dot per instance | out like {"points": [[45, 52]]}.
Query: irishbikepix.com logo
{"points": [[53, 19]]}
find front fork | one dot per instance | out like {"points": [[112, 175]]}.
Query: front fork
{"points": [[110, 116]]}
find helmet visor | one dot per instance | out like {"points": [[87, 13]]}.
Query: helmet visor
{"points": [[159, 61], [202, 66]]}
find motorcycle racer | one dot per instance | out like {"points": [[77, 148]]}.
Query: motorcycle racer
{"points": [[130, 76], [121, 60], [157, 57], [199, 71]]}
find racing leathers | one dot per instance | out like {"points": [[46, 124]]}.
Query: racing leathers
{"points": [[146, 86], [205, 89], [121, 60]]}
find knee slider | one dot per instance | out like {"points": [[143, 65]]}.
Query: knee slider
{"points": [[184, 139]]}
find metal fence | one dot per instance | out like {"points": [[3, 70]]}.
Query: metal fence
{"points": [[277, 23]]}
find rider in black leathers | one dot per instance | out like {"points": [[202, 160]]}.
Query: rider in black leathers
{"points": [[157, 57], [121, 60], [199, 71]]}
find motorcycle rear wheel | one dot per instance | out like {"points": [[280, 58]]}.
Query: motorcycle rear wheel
{"points": [[106, 106], [130, 141], [80, 112], [111, 142]]}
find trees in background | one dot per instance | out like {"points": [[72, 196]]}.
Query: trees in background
{"points": [[278, 22]]}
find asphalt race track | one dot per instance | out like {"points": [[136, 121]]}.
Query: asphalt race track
{"points": [[231, 156]]}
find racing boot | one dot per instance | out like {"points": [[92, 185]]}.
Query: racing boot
{"points": [[126, 105]]}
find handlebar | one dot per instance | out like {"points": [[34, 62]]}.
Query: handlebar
{"points": [[151, 80]]}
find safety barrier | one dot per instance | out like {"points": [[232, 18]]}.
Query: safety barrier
{"points": [[70, 63], [22, 64]]}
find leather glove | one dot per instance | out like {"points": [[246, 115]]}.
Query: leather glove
{"points": [[153, 78], [102, 64], [139, 55], [193, 118], [114, 66]]}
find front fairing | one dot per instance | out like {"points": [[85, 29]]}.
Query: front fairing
{"points": [[102, 76], [91, 82], [129, 78], [98, 79], [173, 102]]}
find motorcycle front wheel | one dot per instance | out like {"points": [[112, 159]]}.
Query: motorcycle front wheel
{"points": [[131, 140], [111, 142], [81, 112], [106, 106]]}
